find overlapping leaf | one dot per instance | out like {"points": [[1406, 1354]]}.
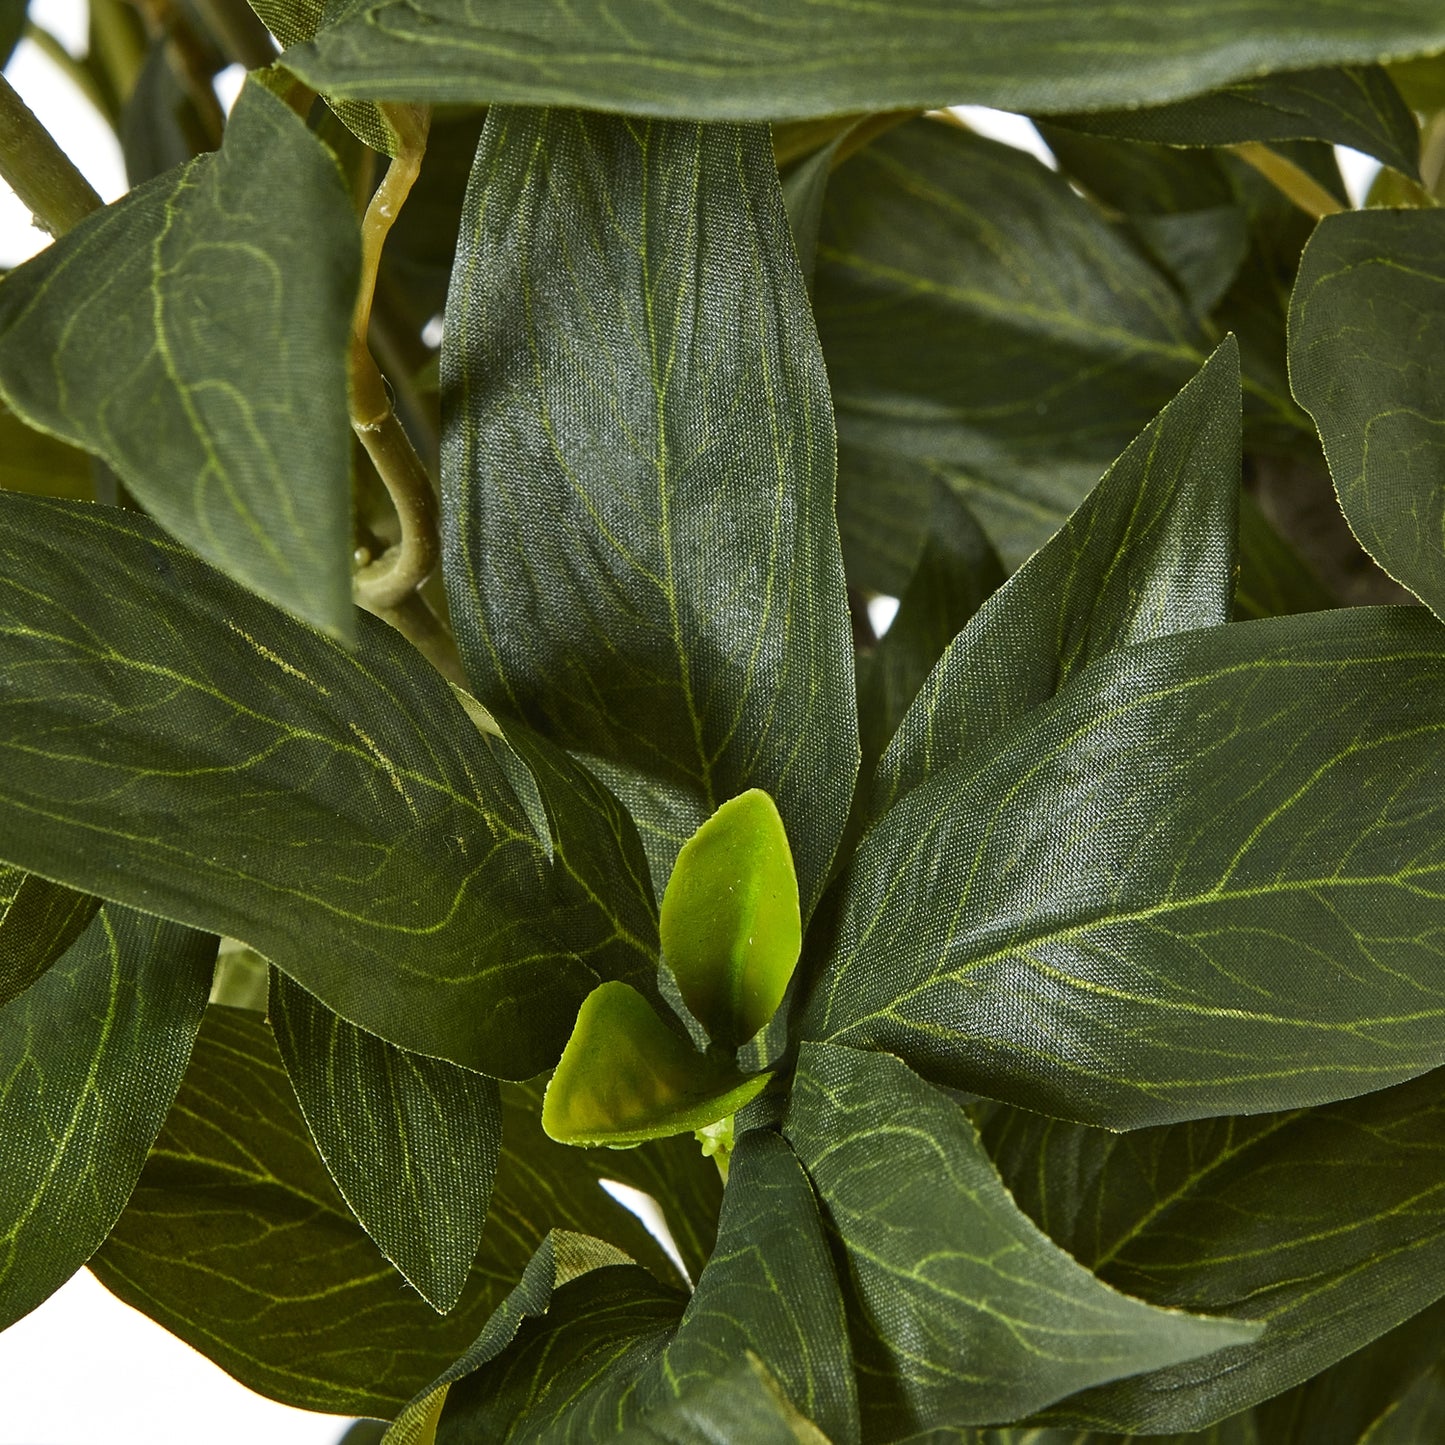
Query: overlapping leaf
{"points": [[1367, 358], [1205, 879], [191, 342], [1326, 1225], [411, 1142], [1150, 552], [614, 1347], [642, 558], [977, 313], [1356, 106], [237, 1240], [90, 1058], [962, 1312], [177, 744], [31, 461], [799, 58], [39, 920]]}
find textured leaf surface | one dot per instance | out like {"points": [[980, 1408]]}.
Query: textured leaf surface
{"points": [[977, 313], [90, 1058], [795, 58], [626, 1077], [39, 920], [769, 1290], [1204, 879], [1356, 106], [642, 560], [1148, 553], [410, 1141], [729, 920], [192, 342], [237, 1240], [1325, 1225], [1367, 359], [963, 1312], [236, 770], [1389, 1393]]}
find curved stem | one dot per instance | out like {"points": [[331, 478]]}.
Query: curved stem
{"points": [[1289, 180], [38, 171], [385, 583]]}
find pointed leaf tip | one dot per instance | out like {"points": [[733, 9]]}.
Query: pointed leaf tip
{"points": [[730, 922]]}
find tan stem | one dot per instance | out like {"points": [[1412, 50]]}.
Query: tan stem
{"points": [[384, 584], [1289, 180], [38, 171]]}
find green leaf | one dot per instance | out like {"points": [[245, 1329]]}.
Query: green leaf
{"points": [[729, 924], [1204, 879], [236, 770], [769, 1289], [1148, 553], [562, 1257], [151, 317], [1273, 580], [1390, 1393], [1356, 106], [956, 571], [160, 128], [602, 449], [39, 920], [793, 58], [12, 26], [91, 1056], [626, 1077], [978, 314], [237, 1240], [744, 1402], [963, 1312], [1367, 359], [1326, 1225], [411, 1142]]}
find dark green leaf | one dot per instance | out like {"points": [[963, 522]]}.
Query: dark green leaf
{"points": [[978, 314], [410, 1141], [625, 1077], [791, 58], [562, 1257], [90, 1058], [1421, 82], [963, 1312], [1147, 554], [159, 126], [729, 923], [1326, 1225], [39, 920], [1205, 879], [1372, 1397], [176, 743], [138, 336], [237, 1241], [1358, 106], [769, 1289], [743, 1403], [12, 26], [885, 506], [597, 454], [956, 572], [1367, 359]]}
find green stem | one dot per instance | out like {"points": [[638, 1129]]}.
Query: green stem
{"points": [[38, 171], [1289, 180]]}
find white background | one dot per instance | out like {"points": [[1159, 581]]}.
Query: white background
{"points": [[85, 1368]]}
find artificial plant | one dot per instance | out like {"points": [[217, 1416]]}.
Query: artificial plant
{"points": [[450, 762]]}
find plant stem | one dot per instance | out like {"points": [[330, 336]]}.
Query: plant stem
{"points": [[382, 585], [38, 171], [1289, 180], [75, 72]]}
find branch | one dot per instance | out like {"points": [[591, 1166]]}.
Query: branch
{"points": [[38, 171], [1287, 178]]}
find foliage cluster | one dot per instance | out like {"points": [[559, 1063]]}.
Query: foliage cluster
{"points": [[442, 505]]}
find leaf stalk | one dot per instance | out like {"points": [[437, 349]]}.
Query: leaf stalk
{"points": [[38, 171], [1289, 180]]}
